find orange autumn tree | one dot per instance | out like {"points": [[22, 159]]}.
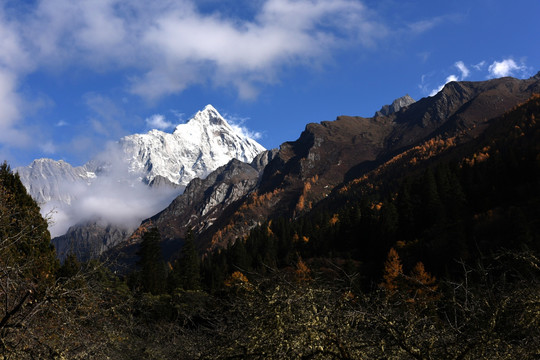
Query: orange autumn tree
{"points": [[393, 270], [302, 272], [422, 285], [238, 280], [419, 284]]}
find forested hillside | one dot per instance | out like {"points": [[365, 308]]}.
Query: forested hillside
{"points": [[434, 254]]}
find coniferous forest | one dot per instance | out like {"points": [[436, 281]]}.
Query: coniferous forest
{"points": [[433, 259]]}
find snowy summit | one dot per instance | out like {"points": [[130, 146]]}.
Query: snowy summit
{"points": [[123, 171], [196, 148]]}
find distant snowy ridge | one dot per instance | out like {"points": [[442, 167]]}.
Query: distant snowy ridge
{"points": [[79, 194], [48, 180]]}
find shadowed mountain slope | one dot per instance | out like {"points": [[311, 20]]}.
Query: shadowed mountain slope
{"points": [[332, 153]]}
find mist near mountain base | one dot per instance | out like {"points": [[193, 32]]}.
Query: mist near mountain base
{"points": [[116, 196]]}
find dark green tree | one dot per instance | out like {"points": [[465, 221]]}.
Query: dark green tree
{"points": [[186, 271], [152, 274]]}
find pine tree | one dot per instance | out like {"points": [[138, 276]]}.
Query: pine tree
{"points": [[25, 241], [152, 273], [28, 261], [186, 272]]}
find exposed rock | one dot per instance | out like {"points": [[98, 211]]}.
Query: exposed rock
{"points": [[89, 240], [158, 159], [396, 106]]}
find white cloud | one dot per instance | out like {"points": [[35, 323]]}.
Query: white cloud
{"points": [[237, 124], [10, 133], [507, 67], [480, 65], [116, 196], [169, 45], [48, 147], [157, 121], [163, 47], [61, 123], [424, 25], [463, 69], [222, 50], [440, 87]]}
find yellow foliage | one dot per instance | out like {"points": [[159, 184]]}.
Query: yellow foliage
{"points": [[269, 230], [377, 206], [237, 279], [400, 244], [303, 273], [301, 203], [334, 220], [423, 284], [392, 271]]}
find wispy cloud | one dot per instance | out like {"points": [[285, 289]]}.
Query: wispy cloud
{"points": [[506, 67], [460, 65], [48, 147], [479, 66], [190, 47], [61, 123], [10, 132], [116, 196], [450, 78], [463, 69], [170, 45], [238, 125], [157, 121]]}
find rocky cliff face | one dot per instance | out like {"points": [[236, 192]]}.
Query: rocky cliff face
{"points": [[330, 153], [396, 105], [81, 197], [89, 240], [203, 203]]}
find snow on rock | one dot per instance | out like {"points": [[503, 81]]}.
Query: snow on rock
{"points": [[193, 150]]}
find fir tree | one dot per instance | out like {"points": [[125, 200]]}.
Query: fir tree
{"points": [[186, 272], [152, 273]]}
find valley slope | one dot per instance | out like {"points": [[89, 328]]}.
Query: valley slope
{"points": [[330, 154]]}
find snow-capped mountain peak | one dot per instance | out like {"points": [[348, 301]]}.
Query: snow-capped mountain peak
{"points": [[208, 116], [195, 149]]}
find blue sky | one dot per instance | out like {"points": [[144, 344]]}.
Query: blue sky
{"points": [[76, 74]]}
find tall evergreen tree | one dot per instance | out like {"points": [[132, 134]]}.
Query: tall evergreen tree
{"points": [[152, 273], [27, 261], [186, 272]]}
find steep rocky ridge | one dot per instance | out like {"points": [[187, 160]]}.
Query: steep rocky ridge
{"points": [[89, 240], [163, 161], [49, 180], [396, 105], [332, 152], [202, 204]]}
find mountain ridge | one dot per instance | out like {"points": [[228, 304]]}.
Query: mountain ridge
{"points": [[159, 161], [329, 154]]}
